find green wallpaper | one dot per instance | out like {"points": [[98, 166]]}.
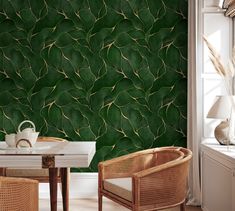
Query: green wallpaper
{"points": [[113, 71]]}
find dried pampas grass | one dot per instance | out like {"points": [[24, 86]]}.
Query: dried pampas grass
{"points": [[227, 73]]}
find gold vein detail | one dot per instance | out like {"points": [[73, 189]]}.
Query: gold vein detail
{"points": [[114, 72]]}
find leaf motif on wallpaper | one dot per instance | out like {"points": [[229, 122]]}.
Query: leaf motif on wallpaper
{"points": [[109, 71]]}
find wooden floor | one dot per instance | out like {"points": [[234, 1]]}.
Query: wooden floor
{"points": [[92, 205]]}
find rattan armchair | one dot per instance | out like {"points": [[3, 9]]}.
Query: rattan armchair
{"points": [[152, 179], [17, 194]]}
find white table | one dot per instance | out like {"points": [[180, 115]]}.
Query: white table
{"points": [[51, 155]]}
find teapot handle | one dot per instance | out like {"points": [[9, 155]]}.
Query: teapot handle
{"points": [[26, 121]]}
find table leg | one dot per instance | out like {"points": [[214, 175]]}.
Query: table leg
{"points": [[64, 174], [53, 173], [2, 171]]}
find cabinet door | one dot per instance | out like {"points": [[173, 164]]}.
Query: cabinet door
{"points": [[217, 182]]}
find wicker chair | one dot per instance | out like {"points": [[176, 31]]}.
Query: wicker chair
{"points": [[151, 179], [17, 194]]}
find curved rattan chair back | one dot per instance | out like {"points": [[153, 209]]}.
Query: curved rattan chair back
{"points": [[49, 139], [137, 161]]}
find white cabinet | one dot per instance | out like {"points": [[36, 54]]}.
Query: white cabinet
{"points": [[217, 177]]}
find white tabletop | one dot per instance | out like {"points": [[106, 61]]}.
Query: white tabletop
{"points": [[65, 154]]}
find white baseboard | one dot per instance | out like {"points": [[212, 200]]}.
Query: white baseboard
{"points": [[82, 185]]}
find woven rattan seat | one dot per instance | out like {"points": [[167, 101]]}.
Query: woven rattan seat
{"points": [[17, 194], [146, 180]]}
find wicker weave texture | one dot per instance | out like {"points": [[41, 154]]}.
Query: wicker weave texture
{"points": [[128, 166], [17, 194], [125, 166], [159, 178], [165, 188]]}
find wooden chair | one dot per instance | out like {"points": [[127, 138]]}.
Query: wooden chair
{"points": [[18, 194], [151, 179], [42, 175]]}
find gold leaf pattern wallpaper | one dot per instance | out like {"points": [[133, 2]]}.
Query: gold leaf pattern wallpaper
{"points": [[112, 71]]}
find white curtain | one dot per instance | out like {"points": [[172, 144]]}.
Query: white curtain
{"points": [[193, 125]]}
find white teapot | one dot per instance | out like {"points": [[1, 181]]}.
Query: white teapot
{"points": [[26, 137]]}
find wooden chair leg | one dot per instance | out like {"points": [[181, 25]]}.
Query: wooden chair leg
{"points": [[64, 174], [182, 207], [100, 201], [53, 172], [3, 172], [135, 208]]}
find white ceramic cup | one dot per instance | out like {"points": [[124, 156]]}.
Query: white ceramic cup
{"points": [[10, 139]]}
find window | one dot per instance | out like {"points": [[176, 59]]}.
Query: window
{"points": [[219, 30]]}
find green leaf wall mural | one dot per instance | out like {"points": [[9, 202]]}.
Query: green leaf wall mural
{"points": [[112, 71]]}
